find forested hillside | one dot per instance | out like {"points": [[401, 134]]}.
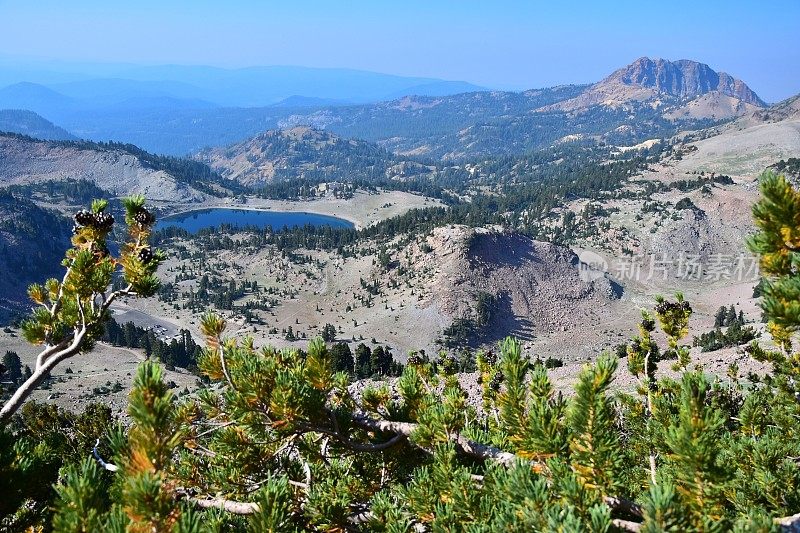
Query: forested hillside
{"points": [[32, 241], [303, 153], [490, 124], [30, 124]]}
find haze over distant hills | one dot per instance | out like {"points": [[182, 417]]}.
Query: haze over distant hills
{"points": [[179, 110], [246, 87]]}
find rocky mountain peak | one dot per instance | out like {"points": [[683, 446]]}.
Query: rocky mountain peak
{"points": [[684, 79]]}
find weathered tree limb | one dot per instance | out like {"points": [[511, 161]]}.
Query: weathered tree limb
{"points": [[234, 507], [106, 466], [402, 430], [789, 523], [39, 375], [356, 446], [626, 525], [490, 453], [51, 356], [469, 447]]}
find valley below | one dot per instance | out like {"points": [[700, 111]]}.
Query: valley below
{"points": [[438, 257]]}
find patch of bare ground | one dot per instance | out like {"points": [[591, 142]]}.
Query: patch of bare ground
{"points": [[536, 287], [103, 375], [744, 150]]}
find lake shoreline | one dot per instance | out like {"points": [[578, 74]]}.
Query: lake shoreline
{"points": [[306, 209], [195, 220], [362, 210]]}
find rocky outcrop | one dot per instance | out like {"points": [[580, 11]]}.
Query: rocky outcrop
{"points": [[24, 160], [680, 89], [535, 287], [683, 79]]}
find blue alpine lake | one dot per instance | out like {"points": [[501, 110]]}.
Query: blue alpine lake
{"points": [[194, 221]]}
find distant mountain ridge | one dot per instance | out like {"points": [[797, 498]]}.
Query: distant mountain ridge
{"points": [[34, 97], [205, 106], [784, 110], [418, 117], [30, 124], [487, 124], [683, 89], [245, 87]]}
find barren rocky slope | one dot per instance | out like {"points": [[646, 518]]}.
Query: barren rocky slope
{"points": [[536, 286], [749, 144], [507, 284], [25, 160]]}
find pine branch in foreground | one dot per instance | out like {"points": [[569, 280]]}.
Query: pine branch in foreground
{"points": [[69, 314]]}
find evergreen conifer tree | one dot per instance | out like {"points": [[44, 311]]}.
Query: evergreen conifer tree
{"points": [[70, 314]]}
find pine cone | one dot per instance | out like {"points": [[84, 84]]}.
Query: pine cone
{"points": [[83, 218], [145, 255], [663, 307], [497, 380], [414, 360], [103, 221], [144, 217]]}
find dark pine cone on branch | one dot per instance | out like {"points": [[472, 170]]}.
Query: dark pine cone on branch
{"points": [[103, 221], [666, 307], [497, 380], [145, 255], [84, 218], [144, 217]]}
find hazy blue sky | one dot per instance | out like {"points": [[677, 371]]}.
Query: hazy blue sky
{"points": [[500, 43]]}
